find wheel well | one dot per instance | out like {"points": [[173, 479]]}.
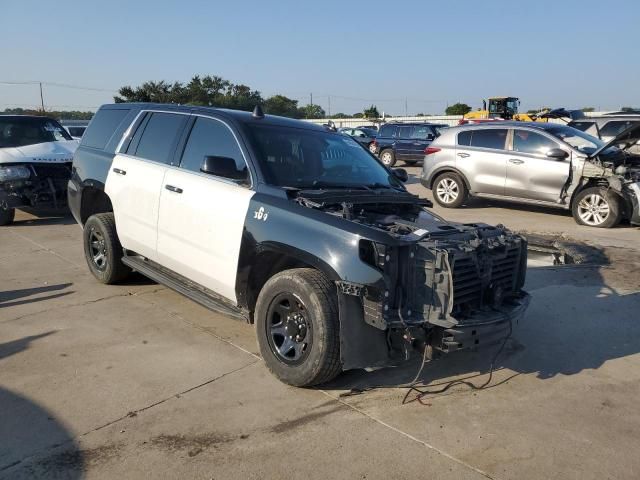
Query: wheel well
{"points": [[449, 170], [94, 201], [268, 264]]}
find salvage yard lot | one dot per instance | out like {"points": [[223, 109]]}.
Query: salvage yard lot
{"points": [[134, 380]]}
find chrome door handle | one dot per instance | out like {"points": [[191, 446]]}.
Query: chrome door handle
{"points": [[516, 161], [119, 171], [171, 188], [463, 155]]}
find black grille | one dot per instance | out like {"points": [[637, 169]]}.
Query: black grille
{"points": [[57, 171], [473, 275]]}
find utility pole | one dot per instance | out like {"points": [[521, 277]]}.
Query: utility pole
{"points": [[406, 114], [41, 98], [329, 97], [311, 99]]}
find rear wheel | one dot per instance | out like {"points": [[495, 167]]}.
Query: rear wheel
{"points": [[449, 190], [373, 148], [298, 328], [388, 158], [102, 249], [7, 215], [597, 207]]}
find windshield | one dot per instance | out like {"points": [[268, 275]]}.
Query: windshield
{"points": [[23, 131], [310, 159], [581, 141]]}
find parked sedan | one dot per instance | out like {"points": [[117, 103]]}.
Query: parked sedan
{"points": [[363, 135], [538, 163]]}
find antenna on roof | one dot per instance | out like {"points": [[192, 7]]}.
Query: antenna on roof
{"points": [[257, 112]]}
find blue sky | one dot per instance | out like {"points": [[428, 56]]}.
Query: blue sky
{"points": [[555, 53]]}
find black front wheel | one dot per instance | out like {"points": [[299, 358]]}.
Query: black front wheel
{"points": [[102, 249], [7, 215], [298, 328]]}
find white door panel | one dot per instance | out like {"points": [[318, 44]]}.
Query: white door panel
{"points": [[200, 229], [135, 196]]}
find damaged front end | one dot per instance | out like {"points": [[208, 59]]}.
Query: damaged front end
{"points": [[34, 184], [444, 286]]}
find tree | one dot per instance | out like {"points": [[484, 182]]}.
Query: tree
{"points": [[588, 109], [281, 105], [340, 115], [629, 109], [311, 111], [458, 109], [65, 115], [371, 112]]}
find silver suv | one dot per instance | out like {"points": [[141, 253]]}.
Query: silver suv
{"points": [[537, 163]]}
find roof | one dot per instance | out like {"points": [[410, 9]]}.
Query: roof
{"points": [[237, 115], [508, 124], [412, 124]]}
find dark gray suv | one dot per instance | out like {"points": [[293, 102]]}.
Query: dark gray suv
{"points": [[537, 163]]}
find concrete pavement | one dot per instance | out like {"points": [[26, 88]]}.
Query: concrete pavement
{"points": [[136, 381]]}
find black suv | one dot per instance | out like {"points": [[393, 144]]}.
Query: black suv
{"points": [[298, 230], [405, 141]]}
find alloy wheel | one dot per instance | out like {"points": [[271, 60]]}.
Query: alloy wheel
{"points": [[593, 209], [98, 249], [447, 190]]}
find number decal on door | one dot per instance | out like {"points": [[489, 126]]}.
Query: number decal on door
{"points": [[260, 214]]}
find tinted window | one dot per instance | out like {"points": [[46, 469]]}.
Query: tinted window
{"points": [[76, 131], [612, 129], [583, 126], [159, 137], [422, 132], [210, 138], [405, 132], [490, 138], [102, 127], [464, 138], [530, 142], [388, 131]]}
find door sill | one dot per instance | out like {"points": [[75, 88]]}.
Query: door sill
{"points": [[542, 203], [186, 287]]}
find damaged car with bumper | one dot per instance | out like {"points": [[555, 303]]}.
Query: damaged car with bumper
{"points": [[35, 164], [298, 230]]}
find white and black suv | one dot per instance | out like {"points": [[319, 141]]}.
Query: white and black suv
{"points": [[298, 230]]}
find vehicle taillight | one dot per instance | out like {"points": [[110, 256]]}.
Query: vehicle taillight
{"points": [[430, 150]]}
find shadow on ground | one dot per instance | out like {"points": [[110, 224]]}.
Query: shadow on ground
{"points": [[44, 217], [10, 298], [576, 322], [33, 443]]}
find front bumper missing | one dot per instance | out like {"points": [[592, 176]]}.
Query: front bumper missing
{"points": [[482, 331]]}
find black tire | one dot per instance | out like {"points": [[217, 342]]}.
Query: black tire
{"points": [[597, 207], [449, 190], [7, 215], [100, 238], [372, 148], [388, 157], [318, 346]]}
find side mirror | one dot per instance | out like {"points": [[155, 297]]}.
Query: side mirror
{"points": [[557, 154], [401, 174], [223, 167]]}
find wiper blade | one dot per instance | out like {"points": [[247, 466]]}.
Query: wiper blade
{"points": [[320, 185]]}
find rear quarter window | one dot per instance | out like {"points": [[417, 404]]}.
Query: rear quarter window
{"points": [[102, 127], [611, 129], [464, 138]]}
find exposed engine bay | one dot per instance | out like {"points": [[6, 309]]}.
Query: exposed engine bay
{"points": [[448, 285]]}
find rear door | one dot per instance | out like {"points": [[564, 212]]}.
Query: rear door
{"points": [[530, 173], [482, 158], [135, 179], [404, 142], [201, 216], [422, 137]]}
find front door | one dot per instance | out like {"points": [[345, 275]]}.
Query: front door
{"points": [[530, 173], [202, 217]]}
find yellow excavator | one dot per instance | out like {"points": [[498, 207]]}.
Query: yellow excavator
{"points": [[505, 108]]}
